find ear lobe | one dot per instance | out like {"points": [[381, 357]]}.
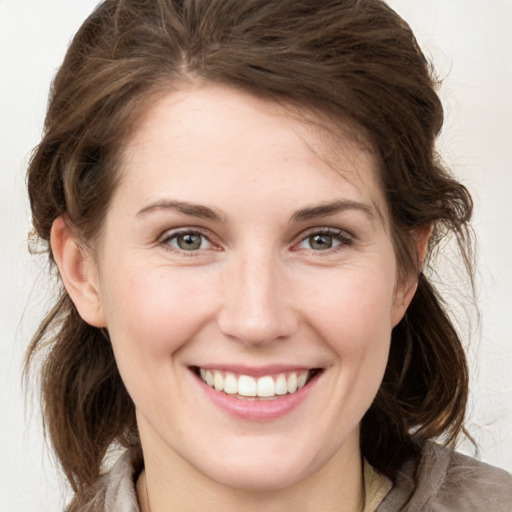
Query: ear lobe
{"points": [[405, 291], [78, 272]]}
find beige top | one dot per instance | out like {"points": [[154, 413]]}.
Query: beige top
{"points": [[376, 487], [441, 481]]}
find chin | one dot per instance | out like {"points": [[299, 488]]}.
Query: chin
{"points": [[253, 477], [261, 465]]}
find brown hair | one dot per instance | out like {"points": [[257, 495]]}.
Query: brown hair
{"points": [[355, 59]]}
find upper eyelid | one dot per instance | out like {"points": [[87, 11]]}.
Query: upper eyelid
{"points": [[326, 230], [171, 233]]}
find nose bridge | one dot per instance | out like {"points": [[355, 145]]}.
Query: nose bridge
{"points": [[256, 309]]}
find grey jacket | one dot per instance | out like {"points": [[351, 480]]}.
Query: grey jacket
{"points": [[448, 482]]}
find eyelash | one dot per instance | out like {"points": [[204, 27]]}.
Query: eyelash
{"points": [[344, 239], [166, 239]]}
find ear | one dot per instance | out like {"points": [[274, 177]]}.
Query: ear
{"points": [[405, 290], [422, 238], [78, 272]]}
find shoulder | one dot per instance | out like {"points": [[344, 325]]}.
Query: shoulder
{"points": [[463, 483], [115, 490], [447, 481]]}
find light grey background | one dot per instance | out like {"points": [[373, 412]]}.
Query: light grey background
{"points": [[471, 44]]}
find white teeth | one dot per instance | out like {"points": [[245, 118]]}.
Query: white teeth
{"points": [[281, 388], [247, 386], [301, 379], [244, 385], [218, 381], [230, 384], [266, 387], [291, 383]]}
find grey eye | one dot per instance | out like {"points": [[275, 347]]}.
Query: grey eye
{"points": [[321, 242], [189, 241]]}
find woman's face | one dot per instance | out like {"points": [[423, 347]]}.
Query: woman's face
{"points": [[251, 250]]}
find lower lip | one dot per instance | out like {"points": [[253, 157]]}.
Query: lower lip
{"points": [[257, 410]]}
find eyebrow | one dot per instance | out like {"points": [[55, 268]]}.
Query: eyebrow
{"points": [[308, 213], [195, 210], [324, 210]]}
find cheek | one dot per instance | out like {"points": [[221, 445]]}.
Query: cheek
{"points": [[355, 309], [150, 318], [150, 315], [354, 317]]}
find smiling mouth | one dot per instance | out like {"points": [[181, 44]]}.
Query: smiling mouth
{"points": [[266, 387]]}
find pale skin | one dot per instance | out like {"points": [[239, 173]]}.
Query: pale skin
{"points": [[268, 279]]}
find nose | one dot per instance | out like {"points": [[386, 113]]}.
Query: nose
{"points": [[256, 306]]}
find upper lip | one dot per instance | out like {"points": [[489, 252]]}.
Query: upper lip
{"points": [[256, 371]]}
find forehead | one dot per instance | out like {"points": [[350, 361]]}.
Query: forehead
{"points": [[217, 133]]}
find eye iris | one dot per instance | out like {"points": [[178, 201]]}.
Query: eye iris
{"points": [[321, 242], [189, 241]]}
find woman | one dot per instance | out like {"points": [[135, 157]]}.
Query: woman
{"points": [[240, 198]]}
